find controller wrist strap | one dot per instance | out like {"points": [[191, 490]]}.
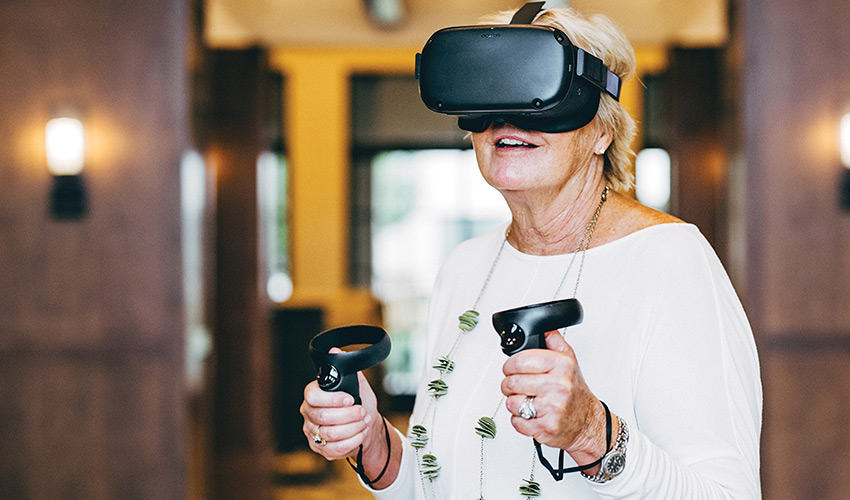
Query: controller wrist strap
{"points": [[558, 473], [358, 465]]}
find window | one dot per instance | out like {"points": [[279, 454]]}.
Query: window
{"points": [[273, 196], [416, 193], [424, 203], [272, 199]]}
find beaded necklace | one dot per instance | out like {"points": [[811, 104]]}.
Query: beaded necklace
{"points": [[429, 467]]}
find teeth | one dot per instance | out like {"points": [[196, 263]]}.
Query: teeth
{"points": [[512, 142]]}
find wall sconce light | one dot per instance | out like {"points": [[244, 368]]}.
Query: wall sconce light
{"points": [[65, 145], [844, 146], [653, 178]]}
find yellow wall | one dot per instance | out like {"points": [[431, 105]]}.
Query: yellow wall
{"points": [[317, 113]]}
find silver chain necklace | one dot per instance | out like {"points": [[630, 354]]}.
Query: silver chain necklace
{"points": [[429, 467]]}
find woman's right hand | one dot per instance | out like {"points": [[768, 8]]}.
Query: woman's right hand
{"points": [[344, 425], [341, 427]]}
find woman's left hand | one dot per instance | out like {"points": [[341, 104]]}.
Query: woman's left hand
{"points": [[569, 416]]}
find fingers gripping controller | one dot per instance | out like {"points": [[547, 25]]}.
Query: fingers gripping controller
{"points": [[525, 328]]}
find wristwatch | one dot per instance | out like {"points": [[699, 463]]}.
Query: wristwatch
{"points": [[614, 461]]}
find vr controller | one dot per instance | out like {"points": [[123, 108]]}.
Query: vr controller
{"points": [[525, 327], [338, 371]]}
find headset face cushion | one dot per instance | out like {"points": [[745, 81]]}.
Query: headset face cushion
{"points": [[583, 113]]}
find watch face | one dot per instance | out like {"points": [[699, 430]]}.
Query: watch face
{"points": [[614, 463], [328, 376]]}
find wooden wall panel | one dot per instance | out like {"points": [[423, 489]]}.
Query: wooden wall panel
{"points": [[695, 114], [806, 405], [796, 84], [91, 319], [90, 427], [241, 391]]}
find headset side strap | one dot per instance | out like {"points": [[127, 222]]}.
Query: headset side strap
{"points": [[592, 69]]}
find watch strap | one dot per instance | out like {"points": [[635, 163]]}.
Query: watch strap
{"points": [[614, 461]]}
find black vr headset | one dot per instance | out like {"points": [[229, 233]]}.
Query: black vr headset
{"points": [[528, 75]]}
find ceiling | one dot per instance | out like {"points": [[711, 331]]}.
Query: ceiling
{"points": [[333, 23]]}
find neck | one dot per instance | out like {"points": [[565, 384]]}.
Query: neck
{"points": [[554, 228]]}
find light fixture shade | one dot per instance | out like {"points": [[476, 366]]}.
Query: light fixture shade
{"points": [[386, 13], [65, 146], [844, 140]]}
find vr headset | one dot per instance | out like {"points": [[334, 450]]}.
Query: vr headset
{"points": [[528, 75]]}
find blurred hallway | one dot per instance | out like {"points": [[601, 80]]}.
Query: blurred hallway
{"points": [[150, 309]]}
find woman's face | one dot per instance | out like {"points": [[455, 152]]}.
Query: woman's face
{"points": [[517, 161]]}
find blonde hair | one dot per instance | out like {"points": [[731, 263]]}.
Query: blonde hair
{"points": [[599, 36]]}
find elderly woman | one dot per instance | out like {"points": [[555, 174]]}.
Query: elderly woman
{"points": [[655, 394]]}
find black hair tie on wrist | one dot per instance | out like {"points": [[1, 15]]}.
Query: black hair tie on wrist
{"points": [[358, 465], [558, 473], [338, 371]]}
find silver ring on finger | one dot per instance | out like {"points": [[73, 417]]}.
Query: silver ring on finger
{"points": [[317, 438], [527, 409]]}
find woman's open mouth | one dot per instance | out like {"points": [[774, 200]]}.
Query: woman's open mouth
{"points": [[507, 142]]}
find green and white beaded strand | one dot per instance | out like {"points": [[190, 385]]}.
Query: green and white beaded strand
{"points": [[531, 488], [429, 467], [486, 428]]}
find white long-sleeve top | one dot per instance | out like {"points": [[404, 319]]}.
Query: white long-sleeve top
{"points": [[664, 342]]}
